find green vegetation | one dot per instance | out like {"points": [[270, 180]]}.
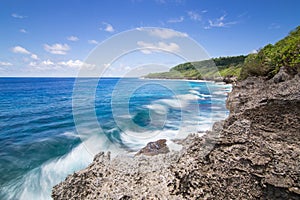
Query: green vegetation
{"points": [[266, 62], [269, 59], [207, 69]]}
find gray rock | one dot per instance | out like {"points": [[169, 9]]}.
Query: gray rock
{"points": [[230, 79], [155, 148], [253, 154], [282, 75]]}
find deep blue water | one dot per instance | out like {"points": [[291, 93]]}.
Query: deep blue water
{"points": [[51, 127]]}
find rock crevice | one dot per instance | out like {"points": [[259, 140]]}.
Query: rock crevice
{"points": [[253, 154]]}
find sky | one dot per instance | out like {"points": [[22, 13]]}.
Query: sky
{"points": [[55, 37]]}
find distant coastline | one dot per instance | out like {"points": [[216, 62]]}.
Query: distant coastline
{"points": [[183, 79], [253, 141], [222, 69], [254, 153]]}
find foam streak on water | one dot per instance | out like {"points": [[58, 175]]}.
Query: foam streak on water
{"points": [[40, 144]]}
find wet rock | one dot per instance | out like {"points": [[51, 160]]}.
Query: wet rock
{"points": [[253, 154], [155, 148], [257, 155]]}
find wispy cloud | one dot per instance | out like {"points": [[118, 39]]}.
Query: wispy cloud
{"points": [[194, 15], [136, 1], [176, 20], [23, 30], [254, 51], [163, 33], [161, 1], [220, 22], [5, 64], [117, 69], [148, 48], [93, 42], [15, 15], [178, 2], [47, 62], [59, 49], [72, 38], [43, 65], [22, 50], [50, 65], [243, 14], [34, 56], [274, 26], [107, 27], [75, 64]]}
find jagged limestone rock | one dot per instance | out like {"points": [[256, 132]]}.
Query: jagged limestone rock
{"points": [[253, 154]]}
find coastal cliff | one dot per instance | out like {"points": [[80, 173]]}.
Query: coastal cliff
{"points": [[253, 154]]}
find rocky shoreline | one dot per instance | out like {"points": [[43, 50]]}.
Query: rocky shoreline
{"points": [[253, 154]]}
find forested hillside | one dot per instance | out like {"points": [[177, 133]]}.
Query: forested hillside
{"points": [[207, 69], [270, 58], [266, 62]]}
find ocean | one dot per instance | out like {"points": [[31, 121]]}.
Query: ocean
{"points": [[52, 127]]}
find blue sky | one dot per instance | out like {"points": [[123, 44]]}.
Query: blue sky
{"points": [[54, 37]]}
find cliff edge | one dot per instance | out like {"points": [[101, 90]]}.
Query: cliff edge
{"points": [[253, 154]]}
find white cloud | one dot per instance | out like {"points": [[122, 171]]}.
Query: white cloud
{"points": [[194, 15], [164, 33], [4, 64], [21, 50], [50, 65], [108, 27], [92, 42], [120, 67], [127, 68], [176, 20], [173, 47], [23, 31], [34, 56], [33, 64], [59, 49], [44, 65], [47, 63], [106, 65], [254, 51], [15, 15], [75, 64], [72, 38], [148, 48], [219, 22]]}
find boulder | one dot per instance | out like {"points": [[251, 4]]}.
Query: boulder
{"points": [[282, 75], [155, 148], [254, 154]]}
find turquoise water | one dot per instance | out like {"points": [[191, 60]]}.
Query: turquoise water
{"points": [[49, 129]]}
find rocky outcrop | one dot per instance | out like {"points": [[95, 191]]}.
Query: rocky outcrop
{"points": [[120, 178], [155, 148], [257, 155], [230, 79], [253, 154]]}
